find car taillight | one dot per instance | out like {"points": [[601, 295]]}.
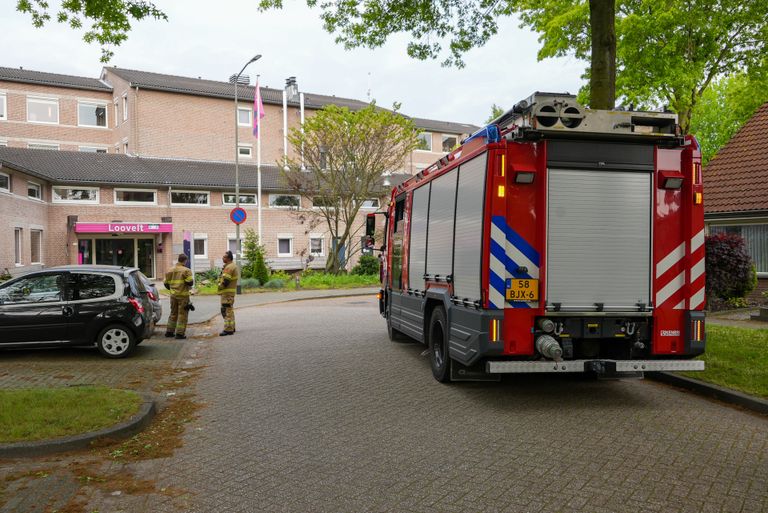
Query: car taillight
{"points": [[136, 304], [151, 295]]}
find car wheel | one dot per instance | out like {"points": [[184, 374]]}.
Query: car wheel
{"points": [[394, 335], [116, 341], [438, 345]]}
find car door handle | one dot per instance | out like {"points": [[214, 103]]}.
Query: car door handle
{"points": [[68, 311]]}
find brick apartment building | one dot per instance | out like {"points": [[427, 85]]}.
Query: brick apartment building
{"points": [[143, 157]]}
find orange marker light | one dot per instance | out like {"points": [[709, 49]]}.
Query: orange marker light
{"points": [[698, 198], [501, 191], [503, 164]]}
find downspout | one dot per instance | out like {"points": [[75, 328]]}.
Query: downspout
{"points": [[136, 126]]}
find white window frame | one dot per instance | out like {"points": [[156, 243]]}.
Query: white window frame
{"points": [[39, 249], [245, 205], [79, 202], [40, 146], [363, 207], [205, 205], [248, 147], [250, 116], [442, 140], [203, 237], [322, 244], [232, 237], [44, 100], [3, 189], [18, 247], [138, 203], [4, 111], [117, 112], [125, 107], [431, 142], [93, 149], [281, 236], [3, 143], [283, 206], [39, 187], [94, 103]]}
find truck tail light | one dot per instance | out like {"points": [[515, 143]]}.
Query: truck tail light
{"points": [[524, 177], [136, 304], [697, 330], [495, 330]]}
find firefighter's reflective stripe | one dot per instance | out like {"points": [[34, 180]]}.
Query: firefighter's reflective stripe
{"points": [[508, 253], [230, 274], [179, 280]]}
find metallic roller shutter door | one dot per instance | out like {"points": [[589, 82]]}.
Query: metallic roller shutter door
{"points": [[599, 237], [418, 241], [469, 229], [442, 204]]}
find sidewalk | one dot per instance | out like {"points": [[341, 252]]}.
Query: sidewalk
{"points": [[208, 307], [740, 318]]}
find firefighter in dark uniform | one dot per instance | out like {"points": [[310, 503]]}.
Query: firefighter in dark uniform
{"points": [[227, 290], [179, 281]]}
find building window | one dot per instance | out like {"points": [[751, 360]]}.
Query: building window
{"points": [[756, 238], [245, 150], [200, 245], [76, 195], [3, 143], [136, 196], [325, 202], [91, 149], [285, 246], [5, 182], [3, 107], [43, 110], [92, 114], [34, 190], [125, 148], [36, 246], [317, 246], [228, 198], [232, 244], [125, 107], [449, 142], [42, 146], [370, 203], [117, 114], [17, 233], [244, 117], [194, 198], [424, 141], [284, 201]]}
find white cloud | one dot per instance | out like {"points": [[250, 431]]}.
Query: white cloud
{"points": [[214, 43]]}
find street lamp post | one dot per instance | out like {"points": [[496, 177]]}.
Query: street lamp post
{"points": [[237, 165]]}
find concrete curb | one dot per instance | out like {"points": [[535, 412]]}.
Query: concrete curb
{"points": [[709, 390], [133, 425], [289, 300]]}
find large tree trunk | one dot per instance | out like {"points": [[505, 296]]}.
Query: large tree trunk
{"points": [[602, 82]]}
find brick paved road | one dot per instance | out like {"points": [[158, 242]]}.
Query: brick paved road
{"points": [[312, 409]]}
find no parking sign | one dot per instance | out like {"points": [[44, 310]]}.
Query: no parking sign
{"points": [[238, 215]]}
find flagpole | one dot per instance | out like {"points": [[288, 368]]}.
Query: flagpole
{"points": [[258, 156]]}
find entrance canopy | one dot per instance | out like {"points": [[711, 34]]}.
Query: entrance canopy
{"points": [[137, 228]]}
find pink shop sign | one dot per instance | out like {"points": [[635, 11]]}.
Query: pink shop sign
{"points": [[123, 227]]}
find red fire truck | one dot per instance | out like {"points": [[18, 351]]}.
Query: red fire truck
{"points": [[556, 239]]}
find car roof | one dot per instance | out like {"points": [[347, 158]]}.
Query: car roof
{"points": [[95, 268]]}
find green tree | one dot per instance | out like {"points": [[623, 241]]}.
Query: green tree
{"points": [[496, 111], [345, 154], [253, 252], [724, 108], [109, 20]]}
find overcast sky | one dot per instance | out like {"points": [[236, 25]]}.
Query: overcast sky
{"points": [[213, 40]]}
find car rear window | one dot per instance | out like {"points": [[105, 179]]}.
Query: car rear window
{"points": [[93, 286], [137, 286]]}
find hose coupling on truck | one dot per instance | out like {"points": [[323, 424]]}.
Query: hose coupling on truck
{"points": [[548, 347]]}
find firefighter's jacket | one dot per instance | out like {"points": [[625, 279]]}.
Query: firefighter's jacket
{"points": [[228, 279], [179, 280]]}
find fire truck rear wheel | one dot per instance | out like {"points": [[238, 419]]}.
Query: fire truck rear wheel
{"points": [[438, 345]]}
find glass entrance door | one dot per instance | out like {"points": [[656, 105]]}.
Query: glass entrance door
{"points": [[115, 252], [145, 254]]}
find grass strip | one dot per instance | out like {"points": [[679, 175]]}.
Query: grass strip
{"points": [[736, 358], [44, 413]]}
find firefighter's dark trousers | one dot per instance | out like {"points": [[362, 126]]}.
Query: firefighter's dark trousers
{"points": [[177, 322]]}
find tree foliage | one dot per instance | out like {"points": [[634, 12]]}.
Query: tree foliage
{"points": [[496, 111], [730, 271], [345, 154], [253, 251], [109, 20], [725, 107]]}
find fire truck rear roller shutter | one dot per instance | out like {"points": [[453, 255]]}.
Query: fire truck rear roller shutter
{"points": [[469, 229], [442, 204], [418, 241]]}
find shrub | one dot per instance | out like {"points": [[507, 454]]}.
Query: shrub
{"points": [[256, 266], [250, 283], [730, 272], [368, 264], [274, 284], [281, 275], [210, 275], [736, 302]]}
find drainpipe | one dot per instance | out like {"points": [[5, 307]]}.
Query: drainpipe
{"points": [[301, 107], [285, 130], [136, 125]]}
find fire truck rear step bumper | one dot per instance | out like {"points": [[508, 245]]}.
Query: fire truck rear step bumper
{"points": [[599, 366]]}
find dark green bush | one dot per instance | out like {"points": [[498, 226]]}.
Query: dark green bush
{"points": [[367, 265], [250, 283], [730, 271], [255, 266], [274, 284]]}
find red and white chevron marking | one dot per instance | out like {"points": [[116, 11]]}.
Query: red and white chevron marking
{"points": [[672, 275]]}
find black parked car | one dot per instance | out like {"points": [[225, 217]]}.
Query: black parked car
{"points": [[104, 305]]}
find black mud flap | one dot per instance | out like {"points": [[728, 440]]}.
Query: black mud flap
{"points": [[475, 372]]}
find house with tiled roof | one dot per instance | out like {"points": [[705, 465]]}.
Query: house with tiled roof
{"points": [[736, 188]]}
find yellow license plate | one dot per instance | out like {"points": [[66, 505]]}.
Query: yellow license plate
{"points": [[523, 290]]}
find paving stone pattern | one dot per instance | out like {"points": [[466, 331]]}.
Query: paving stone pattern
{"points": [[312, 409]]}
